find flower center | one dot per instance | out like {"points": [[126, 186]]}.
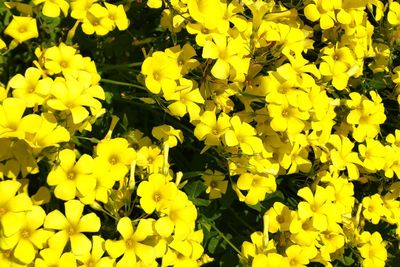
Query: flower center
{"points": [[129, 242], [157, 197], [25, 233], [213, 184], [71, 175]]}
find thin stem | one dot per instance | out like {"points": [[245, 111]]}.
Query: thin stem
{"points": [[225, 238], [121, 66], [123, 83]]}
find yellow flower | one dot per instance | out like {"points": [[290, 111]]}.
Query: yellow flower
{"points": [[105, 181], [63, 58], [216, 183], [186, 100], [47, 133], [324, 11], [298, 256], [184, 57], [244, 135], [117, 156], [280, 217], [366, 115], [210, 13], [343, 157], [373, 154], [167, 134], [72, 96], [374, 252], [79, 8], [161, 73], [12, 121], [179, 218], [72, 178], [256, 185], [210, 129], [133, 243], [97, 20], [373, 208], [51, 8], [150, 158], [229, 54], [32, 87], [71, 227], [156, 193], [393, 15], [95, 258], [117, 15], [286, 117], [22, 29], [55, 257], [318, 206], [29, 237], [12, 207]]}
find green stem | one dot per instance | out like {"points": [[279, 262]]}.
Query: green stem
{"points": [[123, 83], [121, 66], [225, 238]]}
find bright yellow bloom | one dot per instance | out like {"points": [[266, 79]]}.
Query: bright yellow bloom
{"points": [[104, 182], [343, 157], [150, 158], [72, 178], [79, 8], [298, 256], [22, 29], [132, 245], [324, 11], [63, 58], [210, 13], [12, 121], [51, 8], [374, 252], [71, 227], [244, 135], [72, 96], [12, 207], [257, 187], [366, 115], [186, 99], [229, 54], [216, 183], [117, 15], [373, 154], [29, 237], [393, 15], [373, 208], [286, 117], [157, 193], [48, 133], [210, 129], [280, 217], [167, 134], [32, 87], [179, 218], [95, 258], [318, 206], [161, 73], [55, 257], [117, 156], [184, 57], [97, 21]]}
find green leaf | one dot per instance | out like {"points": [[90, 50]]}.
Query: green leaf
{"points": [[193, 190], [201, 202]]}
